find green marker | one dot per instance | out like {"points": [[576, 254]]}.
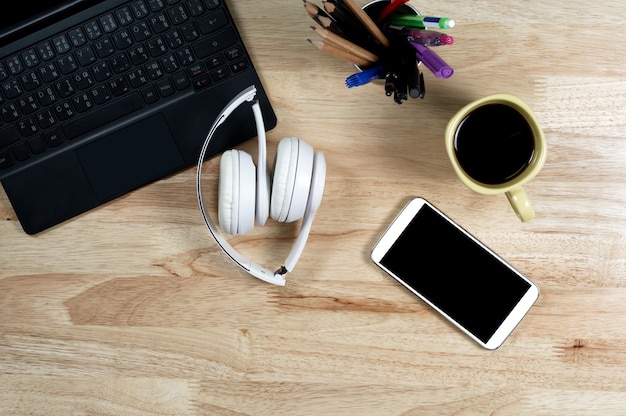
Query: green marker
{"points": [[422, 22]]}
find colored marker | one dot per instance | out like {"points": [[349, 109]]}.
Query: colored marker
{"points": [[424, 36], [422, 22], [430, 38], [432, 61]]}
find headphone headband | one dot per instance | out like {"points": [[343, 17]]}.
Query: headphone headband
{"points": [[316, 190], [265, 274]]}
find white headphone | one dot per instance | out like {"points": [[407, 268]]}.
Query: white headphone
{"points": [[296, 190]]}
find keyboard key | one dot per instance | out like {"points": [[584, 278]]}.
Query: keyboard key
{"points": [[216, 61], [195, 7], [28, 104], [46, 51], [108, 23], [212, 22], [82, 102], [212, 4], [196, 70], [27, 127], [45, 119], [3, 72], [156, 5], [154, 70], [201, 82], [139, 9], [92, 30], [150, 94], [216, 43], [6, 159], [234, 53], [178, 14], [9, 113], [49, 72], [67, 64], [165, 87], [138, 55], [137, 78], [124, 16], [12, 89], [30, 58], [156, 46], [64, 111], [101, 94], [239, 65], [141, 31], [101, 116], [8, 136], [61, 44], [119, 63], [119, 86], [86, 56], [14, 64], [53, 137], [159, 23], [21, 151], [220, 73], [30, 81], [65, 88], [173, 39], [36, 145], [190, 32], [46, 96], [83, 79], [77, 37], [102, 71], [169, 63], [122, 39], [180, 81], [104, 47], [185, 57]]}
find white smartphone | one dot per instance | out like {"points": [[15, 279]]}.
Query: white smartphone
{"points": [[454, 273]]}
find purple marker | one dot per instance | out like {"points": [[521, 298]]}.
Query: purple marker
{"points": [[432, 61]]}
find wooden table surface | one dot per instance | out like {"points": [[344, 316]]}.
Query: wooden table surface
{"points": [[132, 309]]}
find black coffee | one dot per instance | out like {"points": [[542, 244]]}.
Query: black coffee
{"points": [[494, 144]]}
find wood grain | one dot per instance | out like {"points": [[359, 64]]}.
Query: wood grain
{"points": [[132, 309]]}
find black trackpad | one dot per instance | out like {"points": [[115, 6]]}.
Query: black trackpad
{"points": [[131, 157]]}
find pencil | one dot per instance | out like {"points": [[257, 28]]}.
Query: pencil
{"points": [[345, 19], [339, 53], [367, 22], [330, 24], [349, 27], [315, 11], [346, 44], [333, 26]]}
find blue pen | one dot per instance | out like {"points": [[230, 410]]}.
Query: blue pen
{"points": [[364, 77]]}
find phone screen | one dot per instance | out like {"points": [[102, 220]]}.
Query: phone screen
{"points": [[455, 273]]}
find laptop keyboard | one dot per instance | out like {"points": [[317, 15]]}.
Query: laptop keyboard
{"points": [[129, 58]]}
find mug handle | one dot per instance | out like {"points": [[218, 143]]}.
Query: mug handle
{"points": [[520, 203]]}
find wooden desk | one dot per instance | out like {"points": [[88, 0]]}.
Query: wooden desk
{"points": [[132, 309]]}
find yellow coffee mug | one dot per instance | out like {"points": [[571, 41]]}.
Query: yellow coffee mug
{"points": [[496, 145]]}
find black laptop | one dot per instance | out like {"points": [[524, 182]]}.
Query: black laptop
{"points": [[98, 98]]}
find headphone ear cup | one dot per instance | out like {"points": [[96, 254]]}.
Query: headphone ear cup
{"points": [[236, 193], [293, 169]]}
